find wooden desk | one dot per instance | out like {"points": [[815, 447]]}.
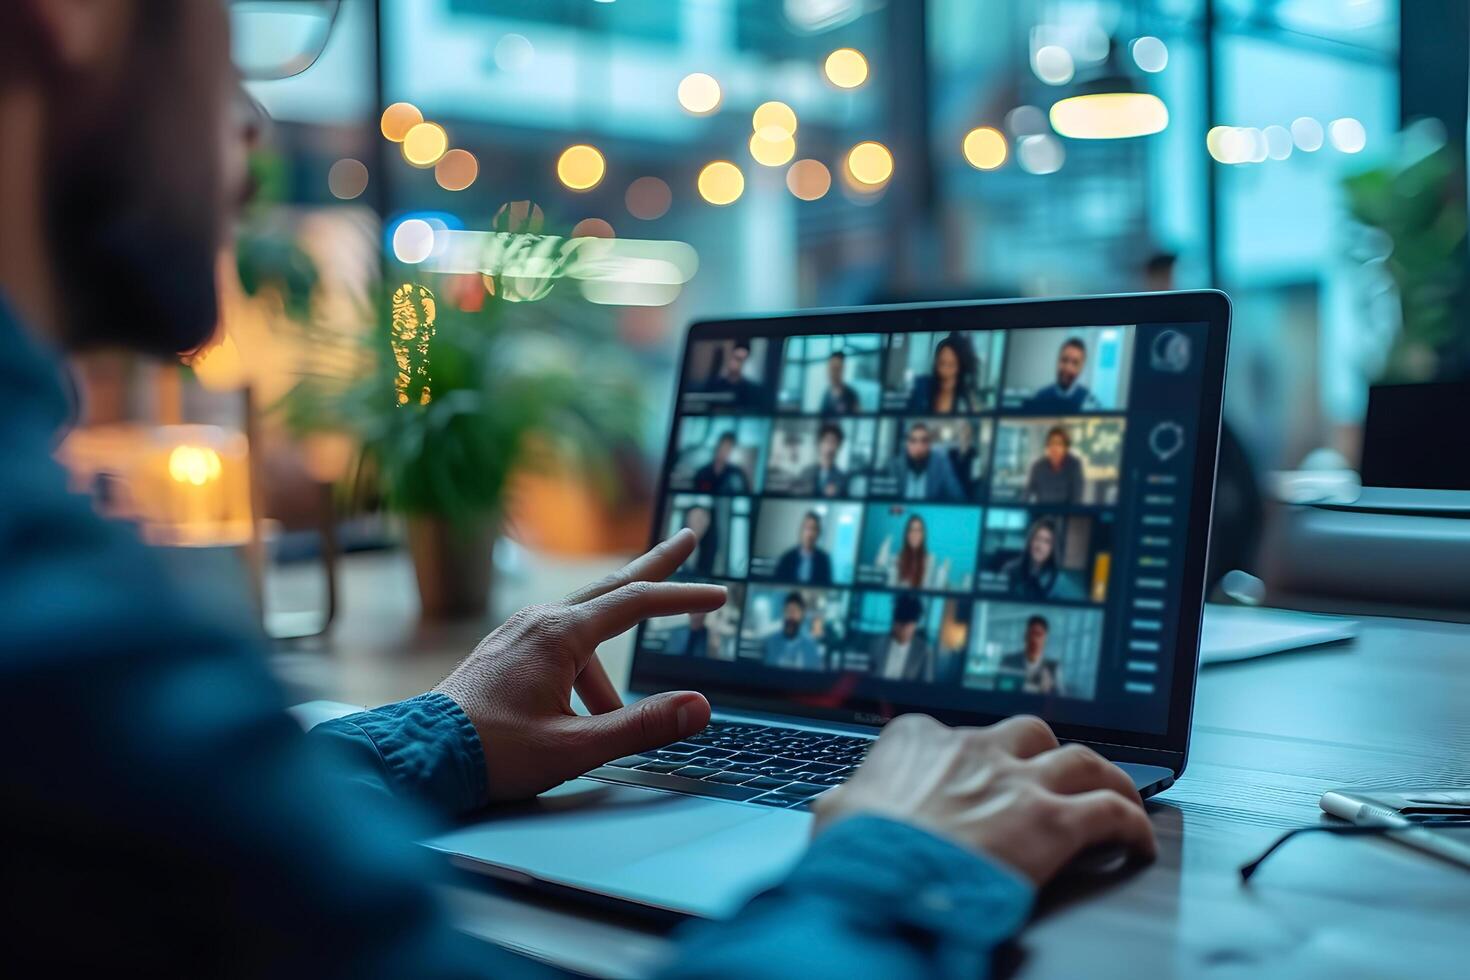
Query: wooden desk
{"points": [[1270, 737]]}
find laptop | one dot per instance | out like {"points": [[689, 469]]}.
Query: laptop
{"points": [[972, 510]]}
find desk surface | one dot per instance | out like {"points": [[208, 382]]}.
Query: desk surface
{"points": [[1270, 736]]}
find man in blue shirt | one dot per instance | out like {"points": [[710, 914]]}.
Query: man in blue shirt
{"points": [[919, 473], [791, 646], [806, 563], [153, 777]]}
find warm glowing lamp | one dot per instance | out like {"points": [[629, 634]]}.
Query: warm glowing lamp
{"points": [[1110, 105], [185, 486]]}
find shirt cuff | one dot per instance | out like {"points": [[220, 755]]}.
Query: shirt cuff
{"points": [[428, 747], [913, 877]]}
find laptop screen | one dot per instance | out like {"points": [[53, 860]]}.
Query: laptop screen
{"points": [[969, 522]]}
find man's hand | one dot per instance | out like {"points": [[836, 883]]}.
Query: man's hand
{"points": [[1007, 791], [516, 687]]}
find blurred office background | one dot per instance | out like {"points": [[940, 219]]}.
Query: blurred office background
{"points": [[1304, 155]]}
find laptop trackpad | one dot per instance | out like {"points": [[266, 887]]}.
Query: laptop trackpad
{"points": [[702, 857]]}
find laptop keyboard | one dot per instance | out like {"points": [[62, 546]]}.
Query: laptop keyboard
{"points": [[750, 763]]}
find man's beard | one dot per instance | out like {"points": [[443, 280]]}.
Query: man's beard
{"points": [[790, 629], [917, 465]]}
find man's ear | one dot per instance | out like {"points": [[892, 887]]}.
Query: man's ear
{"points": [[82, 35]]}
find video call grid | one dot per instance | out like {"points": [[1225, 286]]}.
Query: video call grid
{"points": [[999, 407]]}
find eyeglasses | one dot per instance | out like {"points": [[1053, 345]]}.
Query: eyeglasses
{"points": [[1352, 830], [274, 39]]}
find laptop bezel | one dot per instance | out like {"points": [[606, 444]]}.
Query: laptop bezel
{"points": [[1211, 307]]}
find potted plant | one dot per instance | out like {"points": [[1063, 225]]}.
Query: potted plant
{"points": [[447, 395], [1411, 214]]}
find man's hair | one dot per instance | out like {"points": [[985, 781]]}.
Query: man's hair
{"points": [[741, 345], [794, 599], [725, 437], [1038, 621], [813, 515], [1059, 432], [916, 427], [1076, 342], [907, 609], [1160, 262], [839, 354], [830, 429]]}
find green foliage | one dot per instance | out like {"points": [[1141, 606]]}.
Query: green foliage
{"points": [[1417, 204], [266, 252], [516, 386]]}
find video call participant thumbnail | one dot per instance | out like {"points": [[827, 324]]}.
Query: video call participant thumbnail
{"points": [[1030, 649], [705, 636], [1058, 462], [916, 469], [794, 629], [1058, 372], [943, 373], [720, 455], [919, 547], [727, 374], [934, 459], [820, 457], [805, 542], [1042, 556], [831, 375], [909, 637], [722, 527]]}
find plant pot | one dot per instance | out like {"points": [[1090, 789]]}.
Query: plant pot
{"points": [[453, 565]]}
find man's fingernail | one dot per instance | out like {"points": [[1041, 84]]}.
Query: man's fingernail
{"points": [[681, 717]]}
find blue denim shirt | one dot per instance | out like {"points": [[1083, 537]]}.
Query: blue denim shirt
{"points": [[162, 813]]}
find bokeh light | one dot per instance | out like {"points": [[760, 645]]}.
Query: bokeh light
{"points": [[413, 241], [1236, 144], [771, 147], [721, 183], [514, 53], [1053, 64], [1150, 54], [456, 170], [1110, 115], [870, 163], [810, 180], [347, 179], [648, 198], [593, 228], [699, 93], [425, 144], [1024, 120], [985, 148], [398, 119], [846, 68], [774, 115], [1041, 153], [1348, 135], [581, 167], [1308, 134], [1278, 142]]}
